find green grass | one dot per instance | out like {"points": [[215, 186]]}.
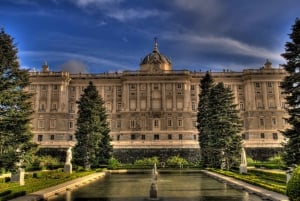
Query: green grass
{"points": [[37, 181], [268, 180]]}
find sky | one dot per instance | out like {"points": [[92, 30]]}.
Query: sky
{"points": [[96, 36]]}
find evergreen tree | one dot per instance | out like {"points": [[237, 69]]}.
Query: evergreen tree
{"points": [[15, 106], [93, 143], [203, 118], [291, 86], [219, 125]]}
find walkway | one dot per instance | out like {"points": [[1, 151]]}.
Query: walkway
{"points": [[265, 194]]}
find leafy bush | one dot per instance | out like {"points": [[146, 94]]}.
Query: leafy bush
{"points": [[293, 186], [147, 161], [113, 163], [176, 161]]}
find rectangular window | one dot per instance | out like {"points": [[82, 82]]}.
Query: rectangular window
{"points": [[192, 87], [143, 137], [118, 137], [261, 122], [179, 85], [180, 123], [156, 86], [193, 106], [51, 137], [257, 84], [55, 87], [40, 138], [269, 84], [132, 123], [133, 137], [195, 137], [170, 123], [41, 123], [156, 123], [180, 136], [71, 124], [70, 137], [52, 123], [156, 137], [274, 122], [245, 136], [262, 135], [169, 136], [118, 124], [119, 106], [275, 136]]}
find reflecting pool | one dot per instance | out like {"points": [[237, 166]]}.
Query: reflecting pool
{"points": [[170, 187]]}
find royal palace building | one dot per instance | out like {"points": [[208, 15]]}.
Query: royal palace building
{"points": [[153, 110]]}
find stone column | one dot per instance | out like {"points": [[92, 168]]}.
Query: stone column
{"points": [[18, 176], [187, 96], [49, 91], [265, 95], [148, 96], [174, 105], [114, 99], [138, 104], [277, 95], [163, 94]]}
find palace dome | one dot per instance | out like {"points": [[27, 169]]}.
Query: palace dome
{"points": [[155, 61]]}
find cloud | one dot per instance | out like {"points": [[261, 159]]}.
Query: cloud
{"points": [[131, 14], [67, 56], [74, 66], [98, 3], [222, 44]]}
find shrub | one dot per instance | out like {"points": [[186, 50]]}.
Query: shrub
{"points": [[176, 161], [147, 161], [113, 163], [293, 186]]}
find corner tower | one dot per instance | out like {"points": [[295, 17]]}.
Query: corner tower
{"points": [[155, 62]]}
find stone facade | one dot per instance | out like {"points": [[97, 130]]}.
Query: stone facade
{"points": [[156, 107]]}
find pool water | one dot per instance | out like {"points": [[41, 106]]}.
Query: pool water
{"points": [[170, 187]]}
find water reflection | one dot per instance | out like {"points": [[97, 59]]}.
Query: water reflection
{"points": [[171, 187]]}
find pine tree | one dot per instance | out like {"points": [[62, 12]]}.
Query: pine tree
{"points": [[203, 118], [15, 107], [291, 86], [218, 125], [93, 143]]}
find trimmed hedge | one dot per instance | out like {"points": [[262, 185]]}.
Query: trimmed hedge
{"points": [[293, 186]]}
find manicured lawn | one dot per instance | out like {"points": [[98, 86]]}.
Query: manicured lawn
{"points": [[271, 180], [37, 181]]}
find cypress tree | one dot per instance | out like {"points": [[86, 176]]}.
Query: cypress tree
{"points": [[93, 143], [291, 86], [15, 107]]}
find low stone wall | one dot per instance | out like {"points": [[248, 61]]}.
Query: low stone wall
{"points": [[131, 155]]}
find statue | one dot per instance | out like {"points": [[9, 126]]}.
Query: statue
{"points": [[69, 156], [68, 164], [243, 166]]}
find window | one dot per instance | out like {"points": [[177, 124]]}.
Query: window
{"points": [[192, 87], [71, 124], [179, 85], [54, 106], [195, 137], [269, 84], [275, 136], [42, 107], [156, 86], [156, 123], [274, 122], [241, 106], [118, 137], [194, 123], [169, 136], [193, 106], [41, 123], [132, 86], [40, 138], [118, 124], [180, 136], [143, 137], [170, 123], [51, 137], [257, 84], [70, 137], [133, 137], [156, 137], [119, 106], [245, 136], [52, 123], [262, 135], [261, 122], [180, 123], [55, 87], [44, 87], [132, 123]]}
